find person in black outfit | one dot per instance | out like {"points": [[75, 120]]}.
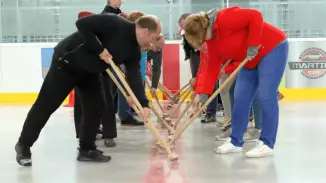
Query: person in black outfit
{"points": [[190, 54], [113, 6], [80, 68], [108, 119], [77, 104], [155, 58]]}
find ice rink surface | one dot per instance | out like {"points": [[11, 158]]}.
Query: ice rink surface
{"points": [[300, 153]]}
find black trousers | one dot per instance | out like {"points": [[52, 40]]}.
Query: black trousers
{"points": [[108, 119], [60, 80], [108, 113], [219, 100], [78, 112]]}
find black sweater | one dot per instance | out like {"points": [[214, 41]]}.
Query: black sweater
{"points": [[109, 9], [118, 36], [194, 64], [74, 40], [193, 56]]}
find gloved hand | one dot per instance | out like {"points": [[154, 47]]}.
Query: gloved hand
{"points": [[252, 52]]}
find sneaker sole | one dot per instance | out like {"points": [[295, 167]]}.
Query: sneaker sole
{"points": [[83, 159], [251, 140], [110, 145], [237, 150], [24, 162], [259, 156]]}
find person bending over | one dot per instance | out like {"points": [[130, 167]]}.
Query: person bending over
{"points": [[108, 119], [154, 63], [107, 127], [103, 37], [195, 57], [239, 33], [125, 112]]}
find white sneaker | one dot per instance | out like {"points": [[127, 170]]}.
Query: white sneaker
{"points": [[223, 136], [228, 147], [252, 134], [261, 150]]}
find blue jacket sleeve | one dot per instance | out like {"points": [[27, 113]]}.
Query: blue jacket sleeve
{"points": [[143, 64]]}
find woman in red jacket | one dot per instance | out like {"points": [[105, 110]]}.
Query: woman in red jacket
{"points": [[240, 33]]}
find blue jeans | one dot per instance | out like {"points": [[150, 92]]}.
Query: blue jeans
{"points": [[265, 79], [255, 106], [257, 110], [212, 107], [124, 109]]}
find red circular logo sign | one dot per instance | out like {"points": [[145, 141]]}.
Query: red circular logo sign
{"points": [[313, 63]]}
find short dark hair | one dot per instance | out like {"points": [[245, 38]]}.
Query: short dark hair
{"points": [[183, 17], [148, 22]]}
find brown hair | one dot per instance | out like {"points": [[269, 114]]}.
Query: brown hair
{"points": [[183, 17], [133, 16], [149, 22], [195, 28]]}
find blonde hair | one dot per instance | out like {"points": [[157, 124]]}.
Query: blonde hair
{"points": [[133, 16], [195, 28]]}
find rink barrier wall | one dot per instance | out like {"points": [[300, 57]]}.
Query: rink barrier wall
{"points": [[23, 67]]}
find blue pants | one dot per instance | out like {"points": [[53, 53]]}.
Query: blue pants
{"points": [[212, 107], [256, 106], [265, 80], [124, 109], [257, 110]]}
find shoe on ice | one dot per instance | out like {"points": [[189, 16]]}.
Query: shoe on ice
{"points": [[208, 119], [223, 136], [23, 155], [131, 121], [92, 156], [261, 150], [228, 147]]}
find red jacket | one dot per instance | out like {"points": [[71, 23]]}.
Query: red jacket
{"points": [[231, 67], [235, 29]]}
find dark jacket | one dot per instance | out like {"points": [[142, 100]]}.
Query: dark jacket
{"points": [[68, 44], [109, 9], [74, 40], [156, 66], [118, 36], [193, 56]]}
